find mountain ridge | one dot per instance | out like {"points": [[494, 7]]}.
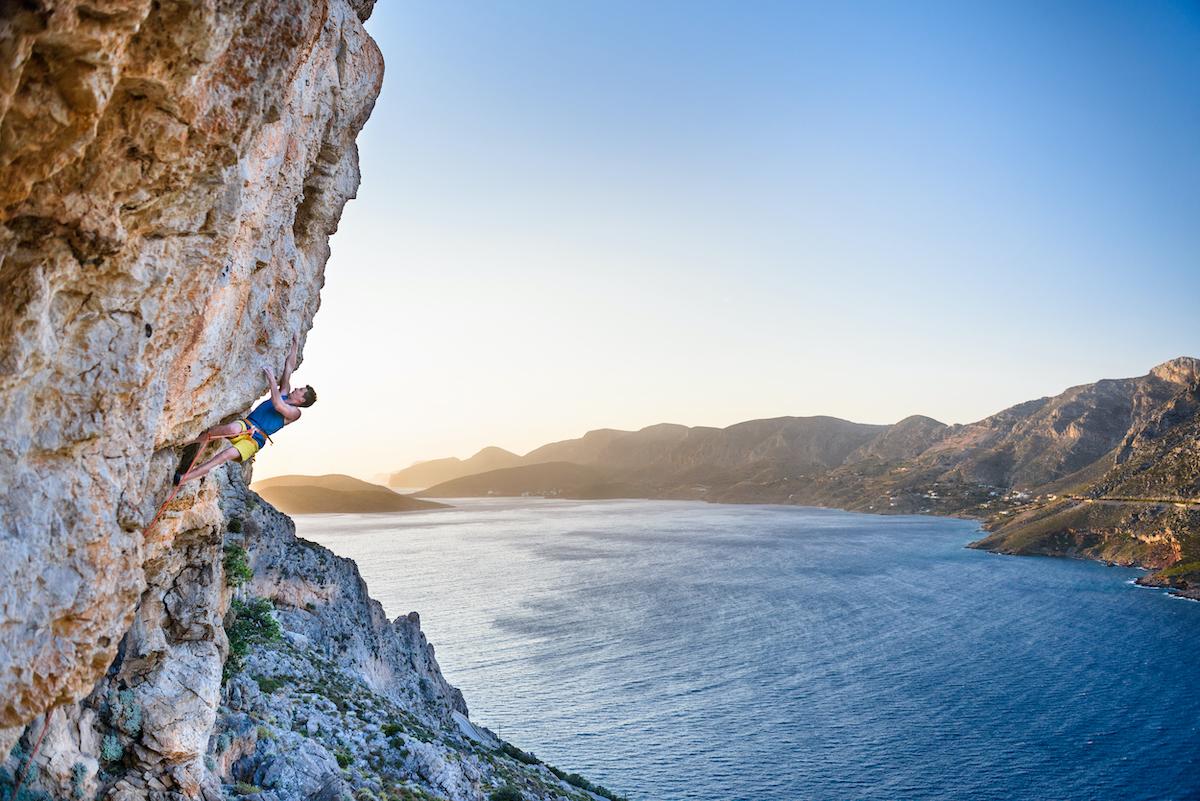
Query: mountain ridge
{"points": [[1018, 470]]}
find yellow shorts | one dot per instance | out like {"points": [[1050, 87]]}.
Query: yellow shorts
{"points": [[245, 443]]}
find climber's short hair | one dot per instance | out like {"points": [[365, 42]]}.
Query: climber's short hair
{"points": [[310, 397]]}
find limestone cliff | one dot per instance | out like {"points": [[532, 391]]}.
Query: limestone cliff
{"points": [[170, 173]]}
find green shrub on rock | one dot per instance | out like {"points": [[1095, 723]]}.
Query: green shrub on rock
{"points": [[270, 684], [521, 756], [237, 566], [508, 792], [78, 777], [248, 624], [123, 712], [582, 783], [111, 749]]}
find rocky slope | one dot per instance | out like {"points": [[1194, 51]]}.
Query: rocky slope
{"points": [[276, 678], [1140, 504], [1109, 470], [344, 701]]}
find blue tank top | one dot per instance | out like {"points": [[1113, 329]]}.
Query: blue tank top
{"points": [[266, 418]]}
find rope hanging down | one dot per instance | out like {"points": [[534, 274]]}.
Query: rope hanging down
{"points": [[32, 755], [175, 489]]}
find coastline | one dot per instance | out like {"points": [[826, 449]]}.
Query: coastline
{"points": [[985, 521]]}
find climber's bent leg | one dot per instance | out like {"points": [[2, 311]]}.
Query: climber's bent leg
{"points": [[226, 455], [227, 430]]}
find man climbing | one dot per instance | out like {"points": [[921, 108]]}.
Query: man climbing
{"points": [[251, 433]]}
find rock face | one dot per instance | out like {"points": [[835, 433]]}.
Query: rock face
{"points": [[344, 700], [170, 173]]}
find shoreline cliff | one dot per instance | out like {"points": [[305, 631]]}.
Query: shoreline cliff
{"points": [[170, 175]]}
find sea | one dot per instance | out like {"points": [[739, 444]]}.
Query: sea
{"points": [[681, 650]]}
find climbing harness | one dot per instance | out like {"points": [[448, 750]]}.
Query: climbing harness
{"points": [[252, 429]]}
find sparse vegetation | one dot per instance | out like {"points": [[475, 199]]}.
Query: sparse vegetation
{"points": [[78, 775], [123, 712], [237, 565], [111, 749], [269, 684], [516, 753], [575, 780], [508, 792], [406, 792], [1181, 569], [248, 624]]}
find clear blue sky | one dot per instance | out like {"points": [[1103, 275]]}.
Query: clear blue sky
{"points": [[587, 214]]}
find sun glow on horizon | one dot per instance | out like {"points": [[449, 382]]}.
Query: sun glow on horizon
{"points": [[615, 215]]}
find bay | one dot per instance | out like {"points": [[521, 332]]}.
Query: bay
{"points": [[679, 650]]}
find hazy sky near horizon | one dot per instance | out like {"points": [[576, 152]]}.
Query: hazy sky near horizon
{"points": [[613, 214]]}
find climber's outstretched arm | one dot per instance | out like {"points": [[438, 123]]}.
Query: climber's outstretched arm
{"points": [[285, 381]]}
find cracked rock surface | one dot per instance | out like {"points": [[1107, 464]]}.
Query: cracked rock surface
{"points": [[170, 173]]}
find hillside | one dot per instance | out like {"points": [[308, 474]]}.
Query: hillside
{"points": [[1098, 470], [550, 480], [1141, 504], [426, 474], [335, 493]]}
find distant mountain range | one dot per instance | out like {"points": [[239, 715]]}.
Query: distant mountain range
{"points": [[425, 474], [1109, 470], [334, 493]]}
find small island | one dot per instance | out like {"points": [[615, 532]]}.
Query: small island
{"points": [[335, 494]]}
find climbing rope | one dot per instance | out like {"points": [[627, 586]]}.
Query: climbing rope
{"points": [[174, 491], [32, 754]]}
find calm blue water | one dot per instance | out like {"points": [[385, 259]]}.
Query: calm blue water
{"points": [[688, 651]]}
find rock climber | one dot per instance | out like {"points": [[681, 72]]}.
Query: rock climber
{"points": [[251, 433]]}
